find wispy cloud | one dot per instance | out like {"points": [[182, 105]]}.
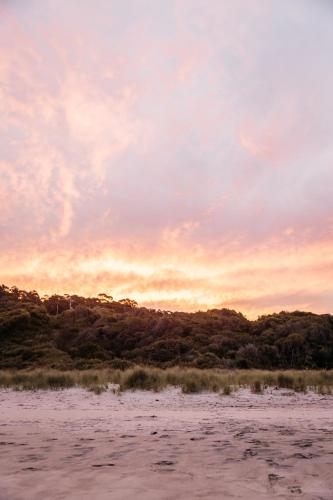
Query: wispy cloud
{"points": [[177, 152]]}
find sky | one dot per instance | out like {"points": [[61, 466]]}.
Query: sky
{"points": [[177, 152]]}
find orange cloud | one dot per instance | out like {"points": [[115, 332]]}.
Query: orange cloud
{"points": [[252, 281]]}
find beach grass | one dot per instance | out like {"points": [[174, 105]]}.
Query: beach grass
{"points": [[190, 380]]}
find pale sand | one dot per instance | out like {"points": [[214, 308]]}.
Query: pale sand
{"points": [[148, 446]]}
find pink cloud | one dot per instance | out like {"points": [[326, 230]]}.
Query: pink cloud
{"points": [[180, 153]]}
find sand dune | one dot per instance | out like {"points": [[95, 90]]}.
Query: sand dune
{"points": [[76, 445]]}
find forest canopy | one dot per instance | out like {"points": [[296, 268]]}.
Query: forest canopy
{"points": [[69, 331]]}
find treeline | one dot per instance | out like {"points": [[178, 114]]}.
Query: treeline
{"points": [[69, 331]]}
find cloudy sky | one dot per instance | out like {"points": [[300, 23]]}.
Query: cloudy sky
{"points": [[178, 152]]}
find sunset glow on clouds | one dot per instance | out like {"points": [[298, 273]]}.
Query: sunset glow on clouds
{"points": [[175, 152]]}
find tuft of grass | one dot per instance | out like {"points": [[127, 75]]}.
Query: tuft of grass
{"points": [[256, 387], [98, 389], [191, 386], [142, 378], [59, 381], [324, 390], [37, 380], [226, 390], [285, 381]]}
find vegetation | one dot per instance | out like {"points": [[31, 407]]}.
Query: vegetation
{"points": [[76, 333], [190, 380]]}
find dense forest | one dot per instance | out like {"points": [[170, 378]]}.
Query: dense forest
{"points": [[68, 332]]}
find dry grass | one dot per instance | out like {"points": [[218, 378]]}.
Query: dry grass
{"points": [[189, 380]]}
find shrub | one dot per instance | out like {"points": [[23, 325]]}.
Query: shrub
{"points": [[120, 364], [91, 350]]}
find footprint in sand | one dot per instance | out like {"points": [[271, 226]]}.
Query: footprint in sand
{"points": [[303, 456], [164, 462], [257, 442], [287, 432], [295, 489], [249, 453], [306, 443], [31, 458], [103, 465], [272, 478]]}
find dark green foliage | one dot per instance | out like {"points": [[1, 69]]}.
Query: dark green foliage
{"points": [[14, 320], [90, 350], [67, 332], [208, 360]]}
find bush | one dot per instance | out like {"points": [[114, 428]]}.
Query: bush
{"points": [[208, 360], [120, 364], [91, 350]]}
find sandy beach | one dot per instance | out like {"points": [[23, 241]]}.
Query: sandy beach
{"points": [[73, 444]]}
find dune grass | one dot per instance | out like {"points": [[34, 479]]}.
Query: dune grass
{"points": [[190, 380]]}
